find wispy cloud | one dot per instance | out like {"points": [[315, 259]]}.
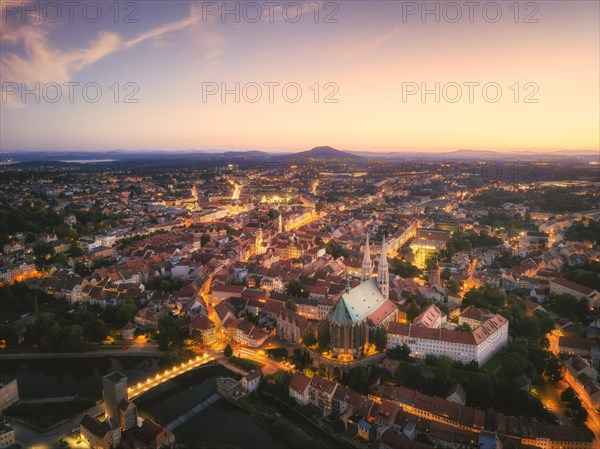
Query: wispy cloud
{"points": [[369, 44], [41, 61]]}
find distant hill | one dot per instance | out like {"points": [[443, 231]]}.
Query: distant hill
{"points": [[471, 155], [321, 153], [246, 154]]}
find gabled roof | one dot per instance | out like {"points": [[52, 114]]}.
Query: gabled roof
{"points": [[320, 383], [299, 382], [97, 428], [357, 304], [253, 375], [573, 286]]}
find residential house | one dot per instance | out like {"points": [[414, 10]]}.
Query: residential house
{"points": [[299, 388], [321, 393], [99, 435], [251, 381], [204, 328]]}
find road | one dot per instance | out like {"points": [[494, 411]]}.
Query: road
{"points": [[270, 366], [549, 394], [593, 421], [553, 398], [32, 439], [553, 340]]}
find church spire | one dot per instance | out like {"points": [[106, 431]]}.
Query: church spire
{"points": [[259, 240], [367, 266], [383, 275]]}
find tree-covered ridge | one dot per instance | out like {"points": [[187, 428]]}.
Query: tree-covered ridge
{"points": [[548, 199], [37, 217], [579, 232]]}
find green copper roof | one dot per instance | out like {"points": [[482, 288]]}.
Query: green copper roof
{"points": [[357, 304]]}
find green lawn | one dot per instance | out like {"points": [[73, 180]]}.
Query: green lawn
{"points": [[495, 362], [245, 364]]}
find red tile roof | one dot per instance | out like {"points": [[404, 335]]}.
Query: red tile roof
{"points": [[299, 382]]}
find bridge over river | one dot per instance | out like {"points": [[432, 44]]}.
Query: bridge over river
{"points": [[177, 370]]}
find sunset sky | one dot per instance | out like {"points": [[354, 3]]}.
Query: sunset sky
{"points": [[369, 56]]}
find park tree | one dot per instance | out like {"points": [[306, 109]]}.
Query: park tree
{"points": [[409, 375], [75, 250], [324, 339], [168, 333], [400, 352], [530, 328], [290, 304], [443, 367], [46, 331], [485, 297], [413, 311], [309, 339], [96, 330], [405, 269], [445, 274], [42, 252], [552, 368], [513, 365], [72, 234], [547, 324], [358, 379], [379, 338], [73, 338], [125, 312], [204, 239], [228, 352], [569, 396], [301, 358], [581, 415], [570, 307], [295, 288], [453, 285]]}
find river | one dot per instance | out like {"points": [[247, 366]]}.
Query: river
{"points": [[220, 424]]}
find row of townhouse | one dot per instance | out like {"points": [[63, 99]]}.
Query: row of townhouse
{"points": [[431, 407], [317, 391], [382, 419], [204, 328], [564, 286], [239, 330], [395, 414], [18, 271], [244, 332], [307, 307], [583, 378]]}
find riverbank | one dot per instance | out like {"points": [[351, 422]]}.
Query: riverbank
{"points": [[104, 352], [176, 398], [271, 417], [46, 415], [290, 410], [42, 378]]}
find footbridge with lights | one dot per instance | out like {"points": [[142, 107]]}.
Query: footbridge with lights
{"points": [[164, 376]]}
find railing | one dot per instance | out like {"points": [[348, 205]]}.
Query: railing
{"points": [[166, 375]]}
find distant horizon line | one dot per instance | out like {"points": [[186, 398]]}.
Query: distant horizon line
{"points": [[275, 152]]}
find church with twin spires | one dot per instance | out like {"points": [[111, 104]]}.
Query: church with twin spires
{"points": [[360, 309]]}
